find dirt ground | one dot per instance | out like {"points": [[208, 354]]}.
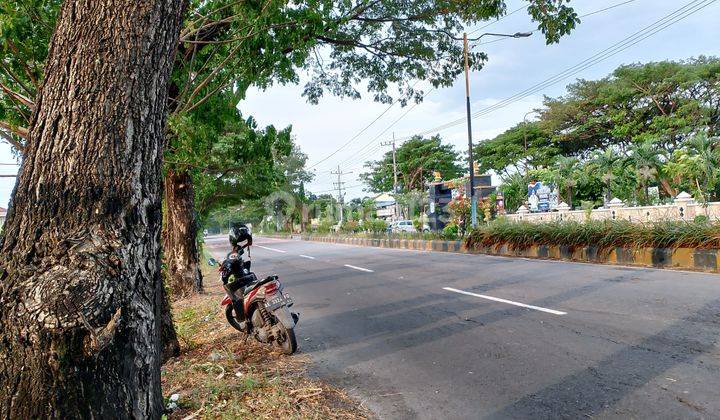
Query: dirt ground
{"points": [[221, 374]]}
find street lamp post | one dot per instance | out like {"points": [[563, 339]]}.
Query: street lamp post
{"points": [[473, 199]]}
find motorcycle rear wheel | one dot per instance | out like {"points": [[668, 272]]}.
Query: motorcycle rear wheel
{"points": [[289, 343]]}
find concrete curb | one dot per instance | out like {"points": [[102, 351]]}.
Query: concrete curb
{"points": [[707, 260]]}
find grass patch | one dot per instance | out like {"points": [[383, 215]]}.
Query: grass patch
{"points": [[601, 234], [220, 375]]}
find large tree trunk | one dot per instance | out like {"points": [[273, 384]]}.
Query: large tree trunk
{"points": [[80, 256], [170, 346], [180, 247]]}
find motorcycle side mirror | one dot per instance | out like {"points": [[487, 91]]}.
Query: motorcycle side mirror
{"points": [[212, 262]]}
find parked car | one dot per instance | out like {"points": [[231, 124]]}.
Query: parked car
{"points": [[403, 226]]}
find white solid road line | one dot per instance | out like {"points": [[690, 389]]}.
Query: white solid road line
{"points": [[307, 256], [271, 249], [509, 302], [359, 268]]}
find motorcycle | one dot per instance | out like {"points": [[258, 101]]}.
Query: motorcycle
{"points": [[258, 308]]}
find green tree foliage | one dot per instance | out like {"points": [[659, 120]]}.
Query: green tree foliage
{"points": [[664, 102], [642, 126], [417, 158], [226, 44], [25, 30], [697, 163], [229, 158], [526, 145]]}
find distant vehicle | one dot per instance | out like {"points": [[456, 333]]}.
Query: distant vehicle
{"points": [[405, 226]]}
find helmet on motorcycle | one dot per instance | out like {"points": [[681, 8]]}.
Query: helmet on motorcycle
{"points": [[239, 233]]}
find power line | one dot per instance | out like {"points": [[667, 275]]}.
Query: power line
{"points": [[394, 102], [353, 137], [376, 138], [488, 42], [359, 132], [335, 189], [357, 157], [614, 49], [497, 20], [605, 9]]}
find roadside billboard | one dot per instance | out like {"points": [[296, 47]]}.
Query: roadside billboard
{"points": [[542, 197]]}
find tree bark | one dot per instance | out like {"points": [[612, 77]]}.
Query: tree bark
{"points": [[180, 246], [80, 286], [170, 346]]}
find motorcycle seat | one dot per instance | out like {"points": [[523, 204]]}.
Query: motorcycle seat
{"points": [[259, 282], [241, 282]]}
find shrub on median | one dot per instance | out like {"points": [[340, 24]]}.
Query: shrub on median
{"points": [[602, 234]]}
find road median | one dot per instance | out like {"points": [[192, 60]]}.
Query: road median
{"points": [[694, 259]]}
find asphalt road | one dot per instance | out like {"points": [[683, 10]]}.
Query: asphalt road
{"points": [[444, 336]]}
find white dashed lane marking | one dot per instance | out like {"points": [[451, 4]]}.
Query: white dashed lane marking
{"points": [[271, 249], [509, 302], [359, 268]]}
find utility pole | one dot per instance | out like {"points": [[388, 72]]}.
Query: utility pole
{"points": [[471, 171], [473, 199], [395, 173], [339, 185]]}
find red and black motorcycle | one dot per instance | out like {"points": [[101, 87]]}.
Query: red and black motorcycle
{"points": [[257, 307]]}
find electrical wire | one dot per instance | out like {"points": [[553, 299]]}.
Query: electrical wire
{"points": [[498, 20], [512, 99], [650, 30], [359, 132], [484, 43], [605, 9]]}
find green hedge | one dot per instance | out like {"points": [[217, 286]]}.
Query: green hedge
{"points": [[601, 234]]}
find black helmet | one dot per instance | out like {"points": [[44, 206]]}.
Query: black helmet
{"points": [[239, 233]]}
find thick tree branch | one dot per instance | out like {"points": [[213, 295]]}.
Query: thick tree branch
{"points": [[18, 97], [16, 144], [15, 78], [18, 131], [28, 71]]}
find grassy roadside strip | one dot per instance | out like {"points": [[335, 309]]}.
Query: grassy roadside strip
{"points": [[219, 374], [600, 234], [604, 234]]}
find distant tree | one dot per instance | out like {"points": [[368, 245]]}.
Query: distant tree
{"points": [[645, 160], [699, 163], [564, 173], [606, 163], [417, 158], [514, 187], [507, 153], [666, 102]]}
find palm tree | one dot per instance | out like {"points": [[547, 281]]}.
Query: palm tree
{"points": [[564, 175], [606, 162], [645, 159], [698, 160]]}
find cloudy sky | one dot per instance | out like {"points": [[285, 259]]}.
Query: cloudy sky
{"points": [[514, 65]]}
